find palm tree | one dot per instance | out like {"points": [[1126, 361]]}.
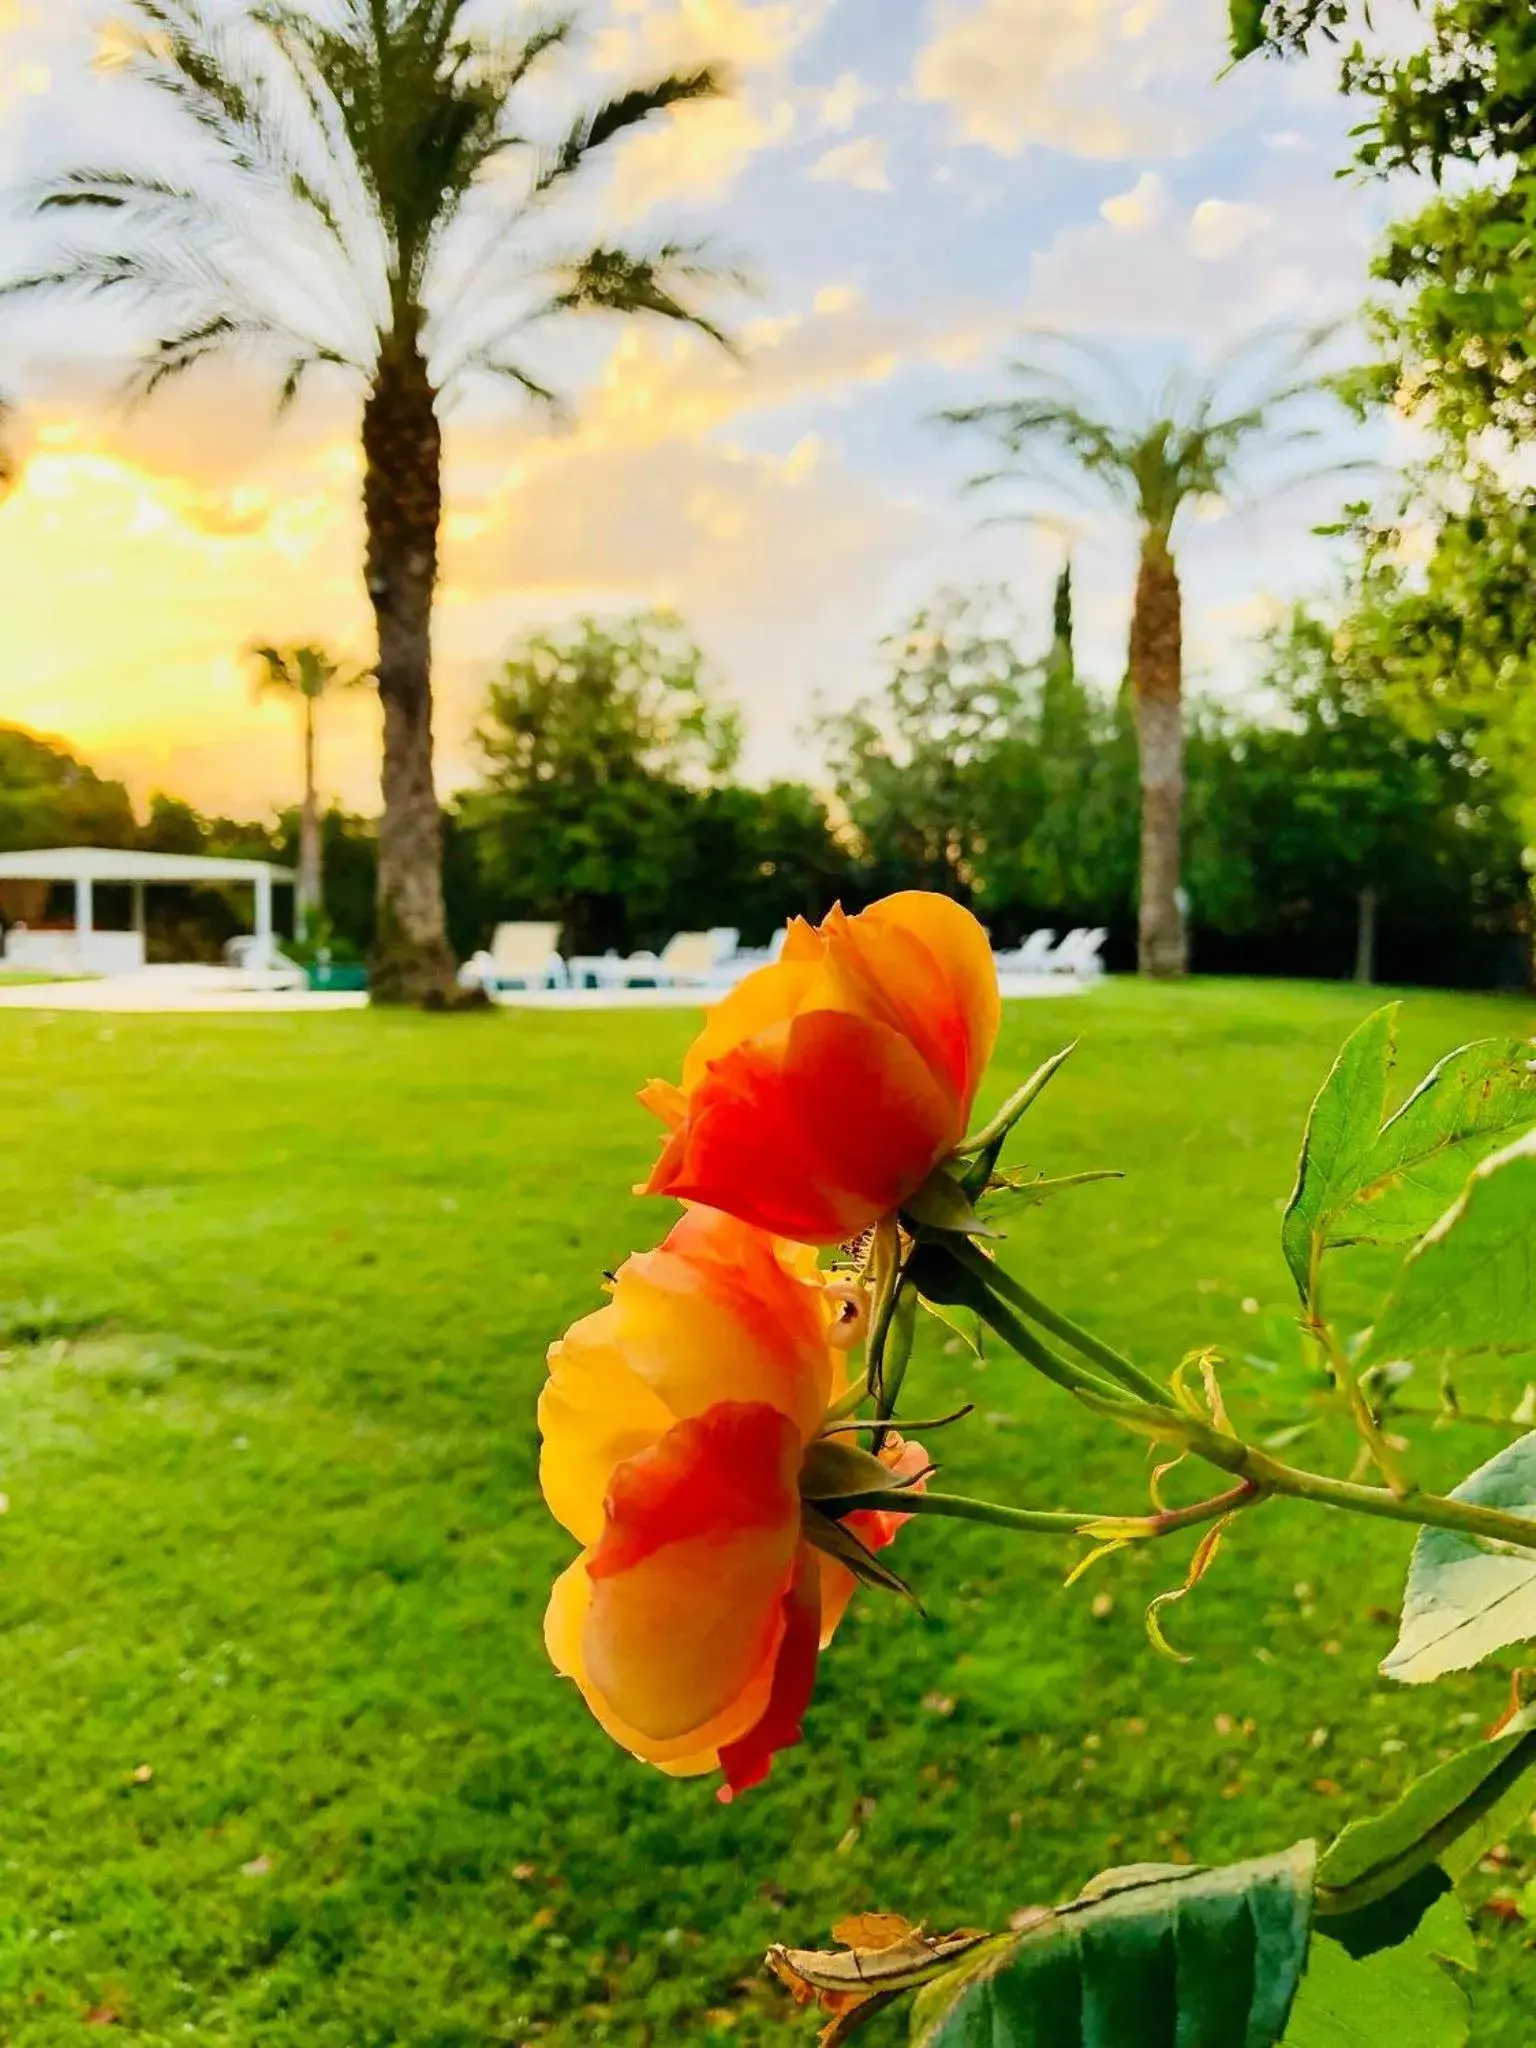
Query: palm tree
{"points": [[370, 198], [308, 674], [1069, 426]]}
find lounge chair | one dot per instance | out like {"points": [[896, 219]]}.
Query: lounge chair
{"points": [[1033, 957], [1078, 954], [688, 960], [520, 955]]}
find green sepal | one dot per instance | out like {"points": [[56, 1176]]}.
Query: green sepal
{"points": [[837, 1540], [987, 1144], [942, 1203], [1006, 1192], [834, 1470]]}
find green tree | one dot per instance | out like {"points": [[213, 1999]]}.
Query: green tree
{"points": [[1000, 780], [48, 797], [1350, 818], [1447, 633], [1062, 428], [1457, 330], [589, 738], [373, 199], [307, 675], [916, 765]]}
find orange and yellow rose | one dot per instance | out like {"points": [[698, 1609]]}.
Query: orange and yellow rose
{"points": [[824, 1089], [676, 1425]]}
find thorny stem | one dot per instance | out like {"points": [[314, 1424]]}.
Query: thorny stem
{"points": [[885, 1275], [1055, 1522], [1268, 1475], [900, 1336], [1082, 1341], [1427, 1510], [1074, 1378], [1458, 1415]]}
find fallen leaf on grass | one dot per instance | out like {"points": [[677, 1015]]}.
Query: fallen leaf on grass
{"points": [[854, 1982]]}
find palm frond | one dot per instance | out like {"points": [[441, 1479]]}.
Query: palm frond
{"points": [[492, 363], [298, 371], [351, 138], [112, 190], [610, 280], [599, 125], [1189, 443]]}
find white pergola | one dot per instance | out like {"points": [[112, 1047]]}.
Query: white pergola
{"points": [[85, 866]]}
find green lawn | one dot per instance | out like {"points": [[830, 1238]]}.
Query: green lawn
{"points": [[281, 1762]]}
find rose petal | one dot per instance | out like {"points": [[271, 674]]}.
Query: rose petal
{"points": [[687, 1579], [814, 1130], [747, 1760], [716, 1314], [594, 1413]]}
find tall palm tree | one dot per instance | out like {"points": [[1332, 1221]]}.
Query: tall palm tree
{"points": [[309, 675], [1081, 423], [370, 197]]}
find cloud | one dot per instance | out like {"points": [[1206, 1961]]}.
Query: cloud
{"points": [[650, 35], [698, 154], [842, 103], [861, 164], [141, 552], [1097, 78], [1146, 201], [703, 149], [1208, 272]]}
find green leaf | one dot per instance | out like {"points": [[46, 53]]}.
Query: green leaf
{"points": [[1376, 1857], [1474, 1100], [1406, 1997], [1471, 1284], [1344, 1125], [1145, 1958], [1465, 1599]]}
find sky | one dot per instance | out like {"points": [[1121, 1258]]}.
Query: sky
{"points": [[916, 187]]}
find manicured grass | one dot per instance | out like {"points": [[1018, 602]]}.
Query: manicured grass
{"points": [[282, 1764]]}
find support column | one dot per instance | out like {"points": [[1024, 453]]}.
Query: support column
{"points": [[85, 911], [138, 907], [262, 952]]}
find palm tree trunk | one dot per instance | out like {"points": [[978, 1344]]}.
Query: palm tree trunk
{"points": [[1157, 683], [308, 907], [402, 505], [1365, 938]]}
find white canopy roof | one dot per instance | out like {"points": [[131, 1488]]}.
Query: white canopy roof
{"points": [[109, 864]]}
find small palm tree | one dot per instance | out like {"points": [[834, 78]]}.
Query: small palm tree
{"points": [[1069, 426], [371, 199], [309, 675]]}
